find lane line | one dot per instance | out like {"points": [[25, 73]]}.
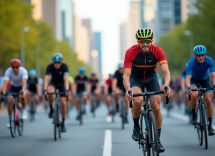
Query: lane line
{"points": [[107, 143]]}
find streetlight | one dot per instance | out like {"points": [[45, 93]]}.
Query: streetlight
{"points": [[189, 33], [22, 52]]}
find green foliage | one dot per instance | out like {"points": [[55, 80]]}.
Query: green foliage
{"points": [[176, 45], [16, 14]]}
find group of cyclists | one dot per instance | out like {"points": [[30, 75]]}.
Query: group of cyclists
{"points": [[137, 70]]}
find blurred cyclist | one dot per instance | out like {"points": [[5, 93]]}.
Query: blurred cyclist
{"points": [[60, 73], [71, 81], [183, 88], [198, 73], [80, 90], [95, 90], [33, 86], [18, 76], [108, 92], [117, 86]]}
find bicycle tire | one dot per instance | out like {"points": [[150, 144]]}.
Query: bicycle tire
{"points": [[123, 115], [153, 134], [12, 121], [20, 121], [199, 125], [143, 135], [204, 123], [31, 112], [58, 122], [55, 122]]}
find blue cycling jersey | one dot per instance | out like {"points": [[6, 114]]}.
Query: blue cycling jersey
{"points": [[200, 71]]}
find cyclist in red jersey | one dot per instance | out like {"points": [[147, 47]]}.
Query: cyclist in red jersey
{"points": [[108, 92], [140, 66]]}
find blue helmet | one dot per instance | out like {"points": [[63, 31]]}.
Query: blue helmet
{"points": [[110, 75], [57, 57], [199, 49], [82, 70], [32, 72]]}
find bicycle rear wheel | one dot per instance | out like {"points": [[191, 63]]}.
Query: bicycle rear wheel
{"points": [[12, 121], [32, 110], [199, 126], [55, 122], [20, 122], [204, 123], [153, 135]]}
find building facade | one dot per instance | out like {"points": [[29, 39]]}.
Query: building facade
{"points": [[123, 38], [97, 65]]}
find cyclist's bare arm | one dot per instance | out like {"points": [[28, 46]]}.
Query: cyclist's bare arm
{"points": [[46, 81], [66, 82], [166, 74], [188, 78], [5, 86], [24, 85], [213, 78], [126, 77], [114, 82]]}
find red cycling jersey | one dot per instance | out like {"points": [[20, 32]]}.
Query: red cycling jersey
{"points": [[144, 65]]}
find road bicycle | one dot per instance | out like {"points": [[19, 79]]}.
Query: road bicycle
{"points": [[15, 115], [56, 118], [201, 120], [149, 141], [121, 102], [32, 109]]}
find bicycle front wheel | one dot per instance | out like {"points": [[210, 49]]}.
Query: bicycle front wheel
{"points": [[204, 123], [12, 121], [143, 134], [55, 122], [20, 122], [199, 125], [153, 135]]}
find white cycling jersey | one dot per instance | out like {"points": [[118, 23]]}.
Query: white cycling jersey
{"points": [[16, 80]]}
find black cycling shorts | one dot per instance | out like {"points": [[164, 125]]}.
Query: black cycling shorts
{"points": [[60, 87], [151, 83], [204, 83]]}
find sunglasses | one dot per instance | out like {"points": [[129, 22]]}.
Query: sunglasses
{"points": [[57, 62], [201, 55], [15, 67], [145, 41]]}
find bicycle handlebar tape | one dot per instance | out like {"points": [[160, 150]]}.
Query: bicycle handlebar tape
{"points": [[129, 92], [167, 98]]}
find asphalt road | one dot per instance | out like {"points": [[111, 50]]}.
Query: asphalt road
{"points": [[98, 137]]}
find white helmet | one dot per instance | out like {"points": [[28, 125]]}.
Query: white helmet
{"points": [[121, 64]]}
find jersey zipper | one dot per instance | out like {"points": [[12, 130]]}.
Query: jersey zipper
{"points": [[145, 68]]}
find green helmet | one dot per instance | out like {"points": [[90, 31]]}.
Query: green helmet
{"points": [[144, 33]]}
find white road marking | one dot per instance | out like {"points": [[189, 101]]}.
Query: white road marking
{"points": [[107, 143]]}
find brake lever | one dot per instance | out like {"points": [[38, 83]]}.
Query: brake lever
{"points": [[129, 92]]}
